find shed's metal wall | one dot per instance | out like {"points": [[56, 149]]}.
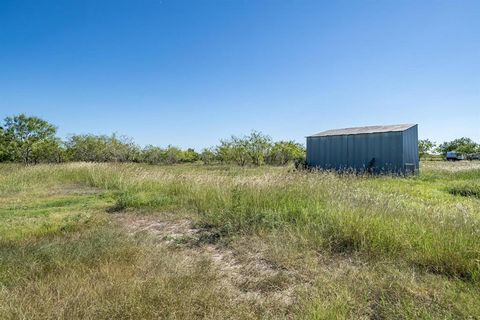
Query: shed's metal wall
{"points": [[356, 151], [410, 147]]}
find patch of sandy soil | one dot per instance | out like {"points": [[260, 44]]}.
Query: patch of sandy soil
{"points": [[247, 275]]}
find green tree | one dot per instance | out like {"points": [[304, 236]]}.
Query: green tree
{"points": [[258, 146], [25, 134], [173, 155], [462, 145], [153, 155], [239, 150], [121, 149], [101, 148], [4, 146], [87, 147], [425, 147], [233, 150], [283, 152], [190, 155], [47, 151], [208, 156], [224, 151]]}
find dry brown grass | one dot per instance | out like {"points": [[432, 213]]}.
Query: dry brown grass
{"points": [[102, 241]]}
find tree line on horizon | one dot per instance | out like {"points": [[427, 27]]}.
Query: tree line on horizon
{"points": [[464, 145], [32, 140]]}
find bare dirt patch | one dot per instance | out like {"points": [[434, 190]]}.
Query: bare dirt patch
{"points": [[246, 275]]}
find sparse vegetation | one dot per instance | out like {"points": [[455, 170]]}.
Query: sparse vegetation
{"points": [[262, 242], [247, 235], [31, 140]]}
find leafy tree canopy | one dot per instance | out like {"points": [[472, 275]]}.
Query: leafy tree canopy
{"points": [[463, 145], [425, 147], [22, 134]]}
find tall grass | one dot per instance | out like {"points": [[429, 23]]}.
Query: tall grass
{"points": [[402, 247], [410, 219]]}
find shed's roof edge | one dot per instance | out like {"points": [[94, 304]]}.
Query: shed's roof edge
{"points": [[364, 130]]}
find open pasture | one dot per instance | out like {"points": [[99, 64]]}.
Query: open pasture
{"points": [[130, 241]]}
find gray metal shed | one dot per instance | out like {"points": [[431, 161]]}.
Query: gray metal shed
{"points": [[377, 149]]}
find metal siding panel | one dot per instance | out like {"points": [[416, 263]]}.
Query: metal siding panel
{"points": [[322, 149], [333, 148], [378, 152], [344, 163], [318, 152], [360, 151], [328, 152], [309, 150], [364, 152], [390, 150], [332, 152], [314, 152], [340, 157], [356, 150], [400, 154], [396, 152], [415, 146], [337, 152], [386, 154], [406, 149], [350, 152], [342, 153], [370, 149], [410, 145]]}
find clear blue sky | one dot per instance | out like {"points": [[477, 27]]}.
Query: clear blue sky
{"points": [[191, 72]]}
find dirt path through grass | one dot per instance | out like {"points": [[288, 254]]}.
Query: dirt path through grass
{"points": [[103, 241], [247, 276]]}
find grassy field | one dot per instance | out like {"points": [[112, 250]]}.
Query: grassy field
{"points": [[129, 241]]}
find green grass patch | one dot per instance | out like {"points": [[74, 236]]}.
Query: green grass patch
{"points": [[471, 189], [54, 222]]}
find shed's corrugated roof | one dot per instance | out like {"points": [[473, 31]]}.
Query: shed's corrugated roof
{"points": [[364, 130]]}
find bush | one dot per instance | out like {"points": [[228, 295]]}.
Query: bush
{"points": [[102, 148], [284, 152]]}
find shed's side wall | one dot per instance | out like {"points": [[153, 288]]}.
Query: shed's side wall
{"points": [[410, 146], [356, 151]]}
